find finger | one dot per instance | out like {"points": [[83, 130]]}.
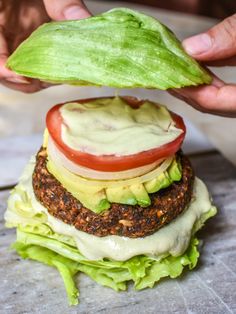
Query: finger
{"points": [[31, 87], [180, 96], [218, 98], [3, 55], [221, 63], [66, 9], [4, 72], [46, 84], [217, 43]]}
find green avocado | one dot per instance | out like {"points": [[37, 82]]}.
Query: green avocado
{"points": [[173, 173], [98, 202], [91, 197], [130, 195], [161, 182], [141, 194], [175, 170], [122, 195]]}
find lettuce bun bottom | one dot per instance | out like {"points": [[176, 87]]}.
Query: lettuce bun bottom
{"points": [[37, 240]]}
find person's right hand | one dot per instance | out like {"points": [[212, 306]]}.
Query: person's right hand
{"points": [[216, 47], [18, 19]]}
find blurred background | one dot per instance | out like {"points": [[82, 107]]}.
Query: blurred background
{"points": [[213, 8], [22, 116]]}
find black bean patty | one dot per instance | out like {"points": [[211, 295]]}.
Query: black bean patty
{"points": [[123, 220]]}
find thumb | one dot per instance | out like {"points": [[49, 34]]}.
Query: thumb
{"points": [[6, 74], [217, 43], [66, 9]]}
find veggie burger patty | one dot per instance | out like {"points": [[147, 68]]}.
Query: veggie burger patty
{"points": [[120, 219]]}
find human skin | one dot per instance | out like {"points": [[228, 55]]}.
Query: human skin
{"points": [[216, 47], [18, 19]]}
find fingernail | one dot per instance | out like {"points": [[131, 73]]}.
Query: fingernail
{"points": [[217, 82], [18, 80], [75, 12], [44, 85], [198, 44]]}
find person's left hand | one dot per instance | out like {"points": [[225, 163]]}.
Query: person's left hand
{"points": [[18, 19]]}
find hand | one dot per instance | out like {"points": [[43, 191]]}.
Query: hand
{"points": [[18, 19], [216, 47]]}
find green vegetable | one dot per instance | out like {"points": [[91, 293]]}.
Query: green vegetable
{"points": [[175, 170], [119, 48], [142, 270], [66, 267], [165, 179]]}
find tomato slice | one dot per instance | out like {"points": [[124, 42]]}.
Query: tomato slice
{"points": [[112, 163]]}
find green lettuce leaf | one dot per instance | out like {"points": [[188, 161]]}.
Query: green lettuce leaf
{"points": [[66, 267], [119, 48], [44, 245], [143, 270]]}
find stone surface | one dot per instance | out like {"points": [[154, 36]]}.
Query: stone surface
{"points": [[30, 287], [15, 152]]}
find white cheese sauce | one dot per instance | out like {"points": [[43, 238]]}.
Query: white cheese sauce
{"points": [[172, 239], [109, 126]]}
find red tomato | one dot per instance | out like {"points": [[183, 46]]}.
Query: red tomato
{"points": [[112, 162]]}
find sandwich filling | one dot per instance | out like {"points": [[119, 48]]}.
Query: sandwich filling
{"points": [[132, 212], [26, 211]]}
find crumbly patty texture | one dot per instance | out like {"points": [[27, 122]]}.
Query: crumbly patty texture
{"points": [[123, 220]]}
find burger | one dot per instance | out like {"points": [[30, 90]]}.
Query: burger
{"points": [[110, 192]]}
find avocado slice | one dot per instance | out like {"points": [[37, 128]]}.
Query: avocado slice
{"points": [[161, 182], [165, 179], [175, 170], [141, 194], [122, 195], [97, 202], [93, 198]]}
